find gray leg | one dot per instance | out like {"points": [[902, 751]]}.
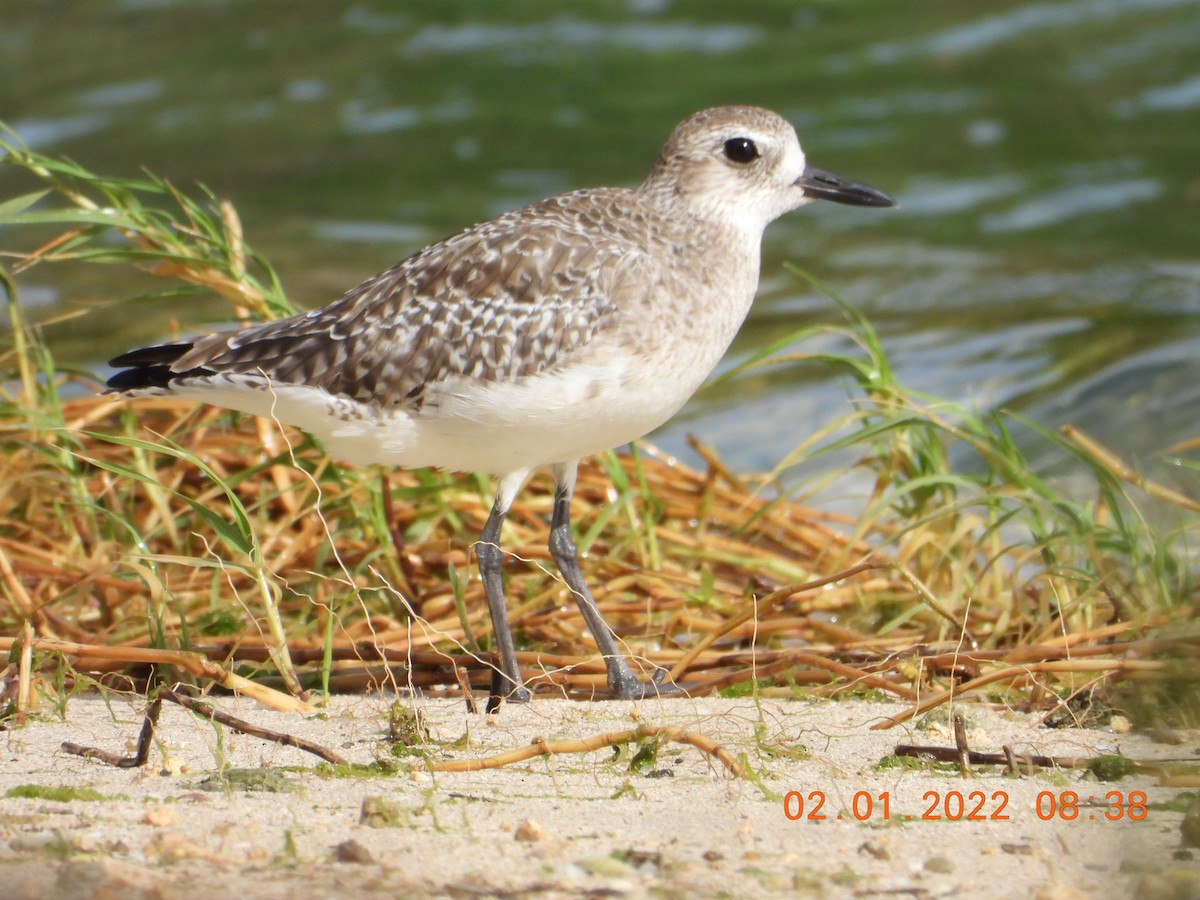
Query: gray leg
{"points": [[506, 681], [621, 680]]}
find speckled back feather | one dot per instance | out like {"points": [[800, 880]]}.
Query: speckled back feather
{"points": [[499, 301]]}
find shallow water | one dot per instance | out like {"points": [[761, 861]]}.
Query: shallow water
{"points": [[1045, 255]]}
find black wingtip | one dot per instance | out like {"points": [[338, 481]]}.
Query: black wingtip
{"points": [[150, 367], [159, 354], [145, 377]]}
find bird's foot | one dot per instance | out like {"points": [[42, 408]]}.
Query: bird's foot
{"points": [[621, 681], [504, 688], [626, 686]]}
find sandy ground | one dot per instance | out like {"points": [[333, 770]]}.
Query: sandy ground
{"points": [[574, 825]]}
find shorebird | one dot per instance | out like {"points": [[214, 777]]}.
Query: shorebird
{"points": [[528, 341]]}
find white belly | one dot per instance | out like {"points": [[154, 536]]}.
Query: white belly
{"points": [[495, 428]]}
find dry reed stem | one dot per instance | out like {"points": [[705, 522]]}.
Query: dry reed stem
{"points": [[1017, 674], [538, 747], [765, 605], [88, 557], [1118, 468], [192, 663], [543, 747]]}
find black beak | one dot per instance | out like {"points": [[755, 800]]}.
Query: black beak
{"points": [[822, 185]]}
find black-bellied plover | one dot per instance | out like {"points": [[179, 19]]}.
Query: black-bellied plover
{"points": [[560, 330]]}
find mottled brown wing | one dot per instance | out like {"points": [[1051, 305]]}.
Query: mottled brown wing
{"points": [[499, 301]]}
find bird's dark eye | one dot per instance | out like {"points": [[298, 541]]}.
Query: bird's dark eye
{"points": [[741, 150]]}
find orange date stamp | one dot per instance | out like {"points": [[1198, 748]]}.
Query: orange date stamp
{"points": [[971, 806]]}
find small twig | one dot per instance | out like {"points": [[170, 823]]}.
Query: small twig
{"points": [[241, 725], [1007, 758], [124, 762], [542, 747], [960, 743], [715, 464], [396, 533], [1119, 469], [206, 711], [460, 675], [1010, 759], [760, 606], [960, 626], [856, 678], [193, 663], [1013, 672]]}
